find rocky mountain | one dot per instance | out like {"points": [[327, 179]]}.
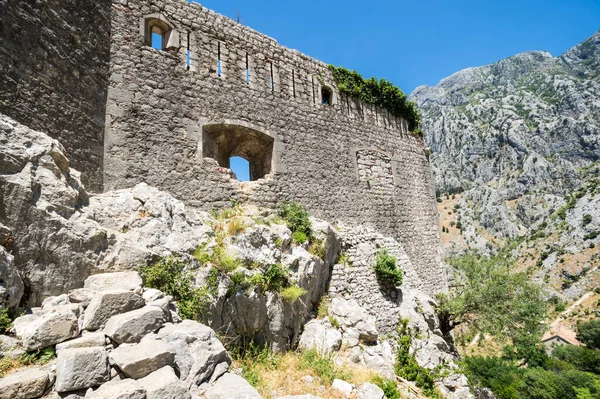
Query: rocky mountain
{"points": [[515, 148]]}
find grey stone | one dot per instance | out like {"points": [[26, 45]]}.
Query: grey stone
{"points": [[342, 387], [26, 383], [232, 386], [355, 322], [139, 360], [82, 296], [106, 304], [119, 389], [164, 384], [369, 391], [80, 368], [197, 350], [56, 301], [84, 341], [11, 284], [38, 332], [320, 335], [113, 281], [132, 326]]}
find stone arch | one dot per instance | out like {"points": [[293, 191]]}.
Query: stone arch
{"points": [[221, 141], [157, 23], [374, 167]]}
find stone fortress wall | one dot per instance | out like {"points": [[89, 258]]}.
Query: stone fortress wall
{"points": [[173, 117], [54, 57]]}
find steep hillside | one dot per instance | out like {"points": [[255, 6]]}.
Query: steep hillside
{"points": [[515, 150]]}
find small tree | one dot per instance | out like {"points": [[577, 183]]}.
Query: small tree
{"points": [[589, 333], [491, 299]]}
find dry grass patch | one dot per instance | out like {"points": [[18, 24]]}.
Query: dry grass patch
{"points": [[282, 374]]}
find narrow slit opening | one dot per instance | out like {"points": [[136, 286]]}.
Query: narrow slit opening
{"points": [[189, 53], [272, 80], [293, 84], [219, 59], [247, 71]]}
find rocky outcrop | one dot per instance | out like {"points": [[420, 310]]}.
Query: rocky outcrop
{"points": [[59, 235], [108, 368]]}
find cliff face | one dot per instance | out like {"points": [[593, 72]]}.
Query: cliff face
{"points": [[520, 140], [522, 124]]}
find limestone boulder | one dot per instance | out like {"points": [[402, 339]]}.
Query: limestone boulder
{"points": [[106, 304], [197, 350], [80, 368], [38, 332], [139, 360], [369, 391], [164, 384], [232, 386], [82, 296], [320, 335], [132, 326], [379, 358], [344, 388], [89, 340], [357, 324], [11, 284], [26, 383], [128, 280], [119, 389], [58, 300]]}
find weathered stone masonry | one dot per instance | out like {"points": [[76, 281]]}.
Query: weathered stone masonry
{"points": [[54, 57], [174, 117]]}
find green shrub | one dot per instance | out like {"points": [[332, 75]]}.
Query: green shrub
{"points": [[292, 293], [589, 333], [386, 269], [5, 320], [592, 235], [299, 237], [296, 218], [275, 277], [504, 379], [169, 276], [560, 307], [406, 364], [582, 358], [224, 260], [381, 93], [587, 219], [389, 387], [201, 255]]}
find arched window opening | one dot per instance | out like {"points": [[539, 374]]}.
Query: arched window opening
{"points": [[159, 33], [326, 95], [227, 143], [240, 168]]}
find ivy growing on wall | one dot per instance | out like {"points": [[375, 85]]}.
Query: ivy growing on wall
{"points": [[381, 93]]}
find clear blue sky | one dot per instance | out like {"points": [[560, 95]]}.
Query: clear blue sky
{"points": [[419, 41]]}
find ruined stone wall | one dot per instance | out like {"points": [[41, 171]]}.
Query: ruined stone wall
{"points": [[160, 108], [54, 57]]}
